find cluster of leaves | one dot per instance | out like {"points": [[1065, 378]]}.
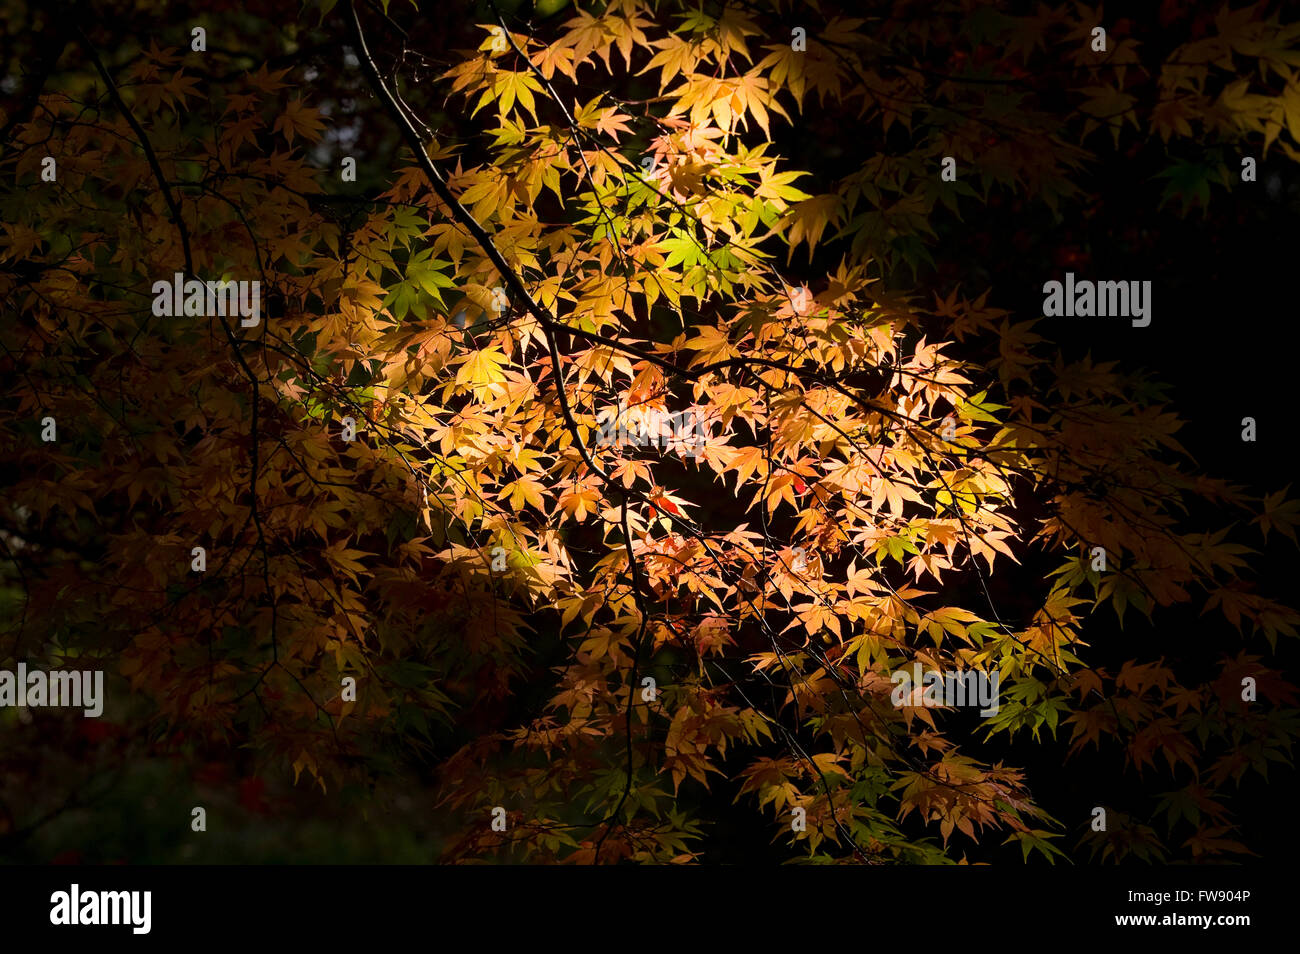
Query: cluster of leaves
{"points": [[606, 219]]}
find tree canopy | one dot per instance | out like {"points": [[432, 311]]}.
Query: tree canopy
{"points": [[617, 420]]}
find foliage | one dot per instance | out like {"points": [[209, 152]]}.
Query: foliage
{"points": [[890, 448]]}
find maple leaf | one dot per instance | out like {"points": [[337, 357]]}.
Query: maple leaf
{"points": [[301, 120]]}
